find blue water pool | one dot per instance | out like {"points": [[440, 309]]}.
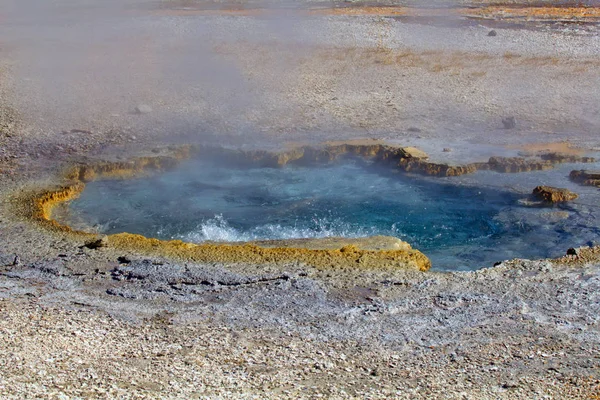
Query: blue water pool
{"points": [[460, 223]]}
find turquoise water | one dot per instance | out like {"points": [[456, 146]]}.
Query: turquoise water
{"points": [[460, 223]]}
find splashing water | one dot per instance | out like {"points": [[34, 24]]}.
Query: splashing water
{"points": [[218, 229]]}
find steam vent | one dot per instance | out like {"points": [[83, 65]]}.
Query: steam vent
{"points": [[307, 200]]}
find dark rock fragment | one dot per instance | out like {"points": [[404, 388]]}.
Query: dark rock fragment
{"points": [[76, 130], [510, 384], [509, 122], [517, 164], [123, 260], [97, 243], [586, 177], [492, 33], [558, 158]]}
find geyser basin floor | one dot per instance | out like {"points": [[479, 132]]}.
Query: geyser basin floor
{"points": [[460, 223]]}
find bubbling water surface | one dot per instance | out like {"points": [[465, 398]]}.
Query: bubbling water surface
{"points": [[460, 223]]}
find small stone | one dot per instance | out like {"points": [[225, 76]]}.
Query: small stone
{"points": [[492, 33], [551, 194], [586, 177], [143, 109], [414, 129], [97, 243], [413, 152], [510, 384], [447, 150], [509, 122], [76, 130], [16, 261], [123, 260]]}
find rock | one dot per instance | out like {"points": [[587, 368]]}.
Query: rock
{"points": [[413, 152], [585, 177], [143, 109], [16, 261], [447, 150], [6, 260], [274, 160], [510, 384], [123, 260], [367, 243], [97, 243], [414, 129], [492, 33], [417, 165], [76, 130], [509, 122], [551, 194], [558, 158], [517, 164]]}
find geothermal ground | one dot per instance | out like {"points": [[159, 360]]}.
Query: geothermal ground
{"points": [[83, 84]]}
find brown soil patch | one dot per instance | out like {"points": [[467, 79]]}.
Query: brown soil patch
{"points": [[551, 147], [535, 12]]}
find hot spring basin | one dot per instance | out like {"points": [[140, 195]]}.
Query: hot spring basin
{"points": [[460, 223]]}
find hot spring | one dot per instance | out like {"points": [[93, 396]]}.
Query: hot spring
{"points": [[460, 223]]}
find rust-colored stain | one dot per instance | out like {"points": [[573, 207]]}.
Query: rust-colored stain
{"points": [[539, 12], [551, 13], [377, 11]]}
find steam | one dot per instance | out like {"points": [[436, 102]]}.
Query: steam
{"points": [[285, 74], [91, 65]]}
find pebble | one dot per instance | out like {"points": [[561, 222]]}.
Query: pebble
{"points": [[143, 109], [509, 122], [97, 243]]}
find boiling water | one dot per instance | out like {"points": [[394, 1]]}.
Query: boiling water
{"points": [[460, 223]]}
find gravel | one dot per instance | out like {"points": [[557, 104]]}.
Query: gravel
{"points": [[77, 322]]}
